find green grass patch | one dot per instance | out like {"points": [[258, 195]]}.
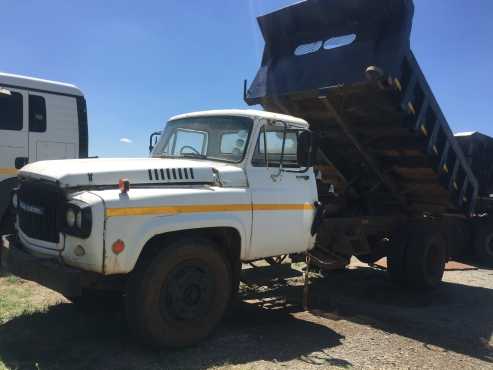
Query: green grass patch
{"points": [[16, 299]]}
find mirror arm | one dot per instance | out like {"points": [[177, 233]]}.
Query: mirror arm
{"points": [[275, 176], [151, 146]]}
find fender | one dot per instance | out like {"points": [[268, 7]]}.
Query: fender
{"points": [[137, 231]]}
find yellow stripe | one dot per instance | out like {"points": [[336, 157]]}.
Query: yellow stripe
{"points": [[173, 210], [8, 171], [281, 207]]}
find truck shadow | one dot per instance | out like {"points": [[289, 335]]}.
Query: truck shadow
{"points": [[454, 318], [266, 324], [64, 338]]}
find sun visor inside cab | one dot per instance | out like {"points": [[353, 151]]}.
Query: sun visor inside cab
{"points": [[322, 43]]}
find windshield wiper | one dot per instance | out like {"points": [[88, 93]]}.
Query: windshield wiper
{"points": [[193, 155]]}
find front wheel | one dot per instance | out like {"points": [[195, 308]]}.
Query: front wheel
{"points": [[177, 298]]}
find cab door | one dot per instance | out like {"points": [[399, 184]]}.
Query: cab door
{"points": [[53, 126], [14, 148], [282, 202]]}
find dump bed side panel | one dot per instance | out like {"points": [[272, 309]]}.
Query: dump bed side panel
{"points": [[346, 67]]}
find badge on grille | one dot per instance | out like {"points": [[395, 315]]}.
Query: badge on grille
{"points": [[31, 209]]}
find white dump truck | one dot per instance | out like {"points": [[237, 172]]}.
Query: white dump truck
{"points": [[169, 231], [376, 173]]}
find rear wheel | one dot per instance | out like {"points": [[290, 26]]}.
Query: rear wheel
{"points": [[425, 260], [396, 259], [417, 258], [483, 243], [177, 298]]}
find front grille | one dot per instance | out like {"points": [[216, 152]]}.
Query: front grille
{"points": [[39, 210]]}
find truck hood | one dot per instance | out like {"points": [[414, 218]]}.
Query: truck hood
{"points": [[75, 173]]}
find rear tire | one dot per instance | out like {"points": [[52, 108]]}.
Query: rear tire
{"points": [[396, 259], [417, 257], [425, 260], [483, 243], [178, 297]]}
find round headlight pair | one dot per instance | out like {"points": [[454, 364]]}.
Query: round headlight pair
{"points": [[70, 217], [74, 218], [78, 219]]}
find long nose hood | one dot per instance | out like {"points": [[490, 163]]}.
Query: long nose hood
{"points": [[107, 172]]}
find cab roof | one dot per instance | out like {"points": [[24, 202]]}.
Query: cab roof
{"points": [[245, 113], [8, 80]]}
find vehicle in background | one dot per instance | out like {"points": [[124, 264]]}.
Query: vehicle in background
{"points": [[39, 120]]}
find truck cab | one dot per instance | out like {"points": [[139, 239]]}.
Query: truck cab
{"points": [[221, 187], [39, 120]]}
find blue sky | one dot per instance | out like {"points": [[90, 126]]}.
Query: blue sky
{"points": [[139, 63]]}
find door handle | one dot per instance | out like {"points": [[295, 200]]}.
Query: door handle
{"points": [[21, 162], [303, 177]]}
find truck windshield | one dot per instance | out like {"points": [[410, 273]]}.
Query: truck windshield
{"points": [[222, 138]]}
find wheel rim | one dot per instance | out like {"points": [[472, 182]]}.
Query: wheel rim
{"points": [[186, 294], [434, 261]]}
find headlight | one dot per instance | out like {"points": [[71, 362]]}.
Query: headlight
{"points": [[15, 200], [78, 219], [70, 217]]}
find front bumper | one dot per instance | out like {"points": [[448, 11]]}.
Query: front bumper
{"points": [[50, 273]]}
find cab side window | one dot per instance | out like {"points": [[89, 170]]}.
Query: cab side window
{"points": [[269, 148], [37, 113], [11, 111]]}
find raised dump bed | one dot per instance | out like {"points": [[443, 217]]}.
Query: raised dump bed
{"points": [[347, 68]]}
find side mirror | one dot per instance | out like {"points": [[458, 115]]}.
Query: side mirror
{"points": [[153, 139], [307, 149]]}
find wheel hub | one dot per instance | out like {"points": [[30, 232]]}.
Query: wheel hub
{"points": [[186, 293]]}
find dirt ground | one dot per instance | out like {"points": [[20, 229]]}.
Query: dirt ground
{"points": [[356, 319]]}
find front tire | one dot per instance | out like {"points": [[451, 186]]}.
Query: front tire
{"points": [[178, 297]]}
